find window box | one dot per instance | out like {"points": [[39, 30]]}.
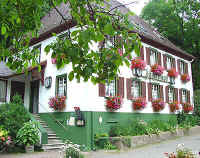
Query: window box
{"points": [[174, 106], [187, 107], [158, 105], [139, 103], [57, 103], [157, 69], [172, 73], [113, 103], [185, 78], [138, 63]]}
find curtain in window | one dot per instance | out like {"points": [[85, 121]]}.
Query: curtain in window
{"points": [[2, 91]]}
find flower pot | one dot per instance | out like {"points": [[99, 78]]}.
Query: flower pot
{"points": [[29, 149]]}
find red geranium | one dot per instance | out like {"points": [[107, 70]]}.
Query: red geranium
{"points": [[138, 64], [185, 78], [187, 107], [57, 103], [139, 103], [172, 73], [173, 106], [157, 69], [158, 105], [113, 103]]}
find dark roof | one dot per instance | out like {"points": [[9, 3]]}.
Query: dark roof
{"points": [[53, 22], [4, 70]]}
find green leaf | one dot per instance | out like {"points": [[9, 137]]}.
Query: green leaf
{"points": [[3, 30], [71, 76], [47, 49], [108, 28]]}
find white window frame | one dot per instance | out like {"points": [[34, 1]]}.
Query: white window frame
{"points": [[61, 85], [136, 88], [155, 91], [171, 94], [3, 89], [182, 67], [153, 57], [111, 88], [169, 62], [184, 96]]}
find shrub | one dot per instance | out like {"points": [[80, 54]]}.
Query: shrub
{"points": [[158, 124], [28, 134], [72, 150], [13, 115], [5, 140]]}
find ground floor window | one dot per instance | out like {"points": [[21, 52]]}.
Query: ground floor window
{"points": [[110, 88], [155, 91], [2, 91], [136, 89], [184, 96], [171, 94], [61, 85]]}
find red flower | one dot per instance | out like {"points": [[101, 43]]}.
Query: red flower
{"points": [[157, 69], [158, 105], [3, 139], [57, 103], [185, 78], [187, 107], [138, 63], [139, 103], [173, 106], [113, 103], [172, 73]]}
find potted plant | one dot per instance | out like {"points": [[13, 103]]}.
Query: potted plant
{"points": [[185, 78], [28, 136], [5, 140], [138, 63], [173, 106], [57, 103], [158, 105], [187, 107], [113, 103], [139, 103], [172, 73], [157, 69]]}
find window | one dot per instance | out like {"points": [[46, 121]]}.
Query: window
{"points": [[171, 94], [2, 91], [136, 89], [169, 63], [182, 67], [61, 85], [153, 57], [155, 91], [184, 96], [37, 52], [111, 88]]}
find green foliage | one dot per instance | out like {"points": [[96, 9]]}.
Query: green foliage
{"points": [[28, 134], [101, 139], [17, 99], [12, 117], [21, 20], [72, 150], [127, 141], [109, 146], [180, 26]]}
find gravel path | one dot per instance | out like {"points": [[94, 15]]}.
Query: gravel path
{"points": [[148, 151]]}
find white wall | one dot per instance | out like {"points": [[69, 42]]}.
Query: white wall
{"points": [[86, 94]]}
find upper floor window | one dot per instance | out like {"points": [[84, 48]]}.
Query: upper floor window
{"points": [[136, 89], [155, 91], [61, 85], [184, 96], [182, 67], [153, 57], [2, 91], [169, 62], [110, 88], [171, 94]]}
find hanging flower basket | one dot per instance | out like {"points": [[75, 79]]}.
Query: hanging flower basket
{"points": [[174, 106], [138, 63], [53, 60], [157, 69], [113, 103], [57, 103], [172, 73], [158, 105], [187, 107], [185, 78], [139, 103]]}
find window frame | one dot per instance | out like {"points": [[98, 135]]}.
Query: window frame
{"points": [[57, 84], [108, 85], [140, 87], [182, 67], [4, 99], [152, 51], [186, 97], [169, 58], [173, 94], [158, 90]]}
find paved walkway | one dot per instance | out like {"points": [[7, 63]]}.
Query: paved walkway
{"points": [[148, 151]]}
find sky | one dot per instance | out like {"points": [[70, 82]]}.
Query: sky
{"points": [[135, 7]]}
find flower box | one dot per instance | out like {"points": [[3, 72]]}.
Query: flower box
{"points": [[185, 78], [113, 103], [158, 105], [172, 73], [139, 103], [187, 107], [174, 106], [138, 63], [57, 103], [157, 69], [53, 60]]}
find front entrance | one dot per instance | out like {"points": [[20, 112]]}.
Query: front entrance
{"points": [[17, 88], [34, 97]]}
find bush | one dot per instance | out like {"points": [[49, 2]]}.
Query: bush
{"points": [[13, 116], [72, 150], [158, 124]]}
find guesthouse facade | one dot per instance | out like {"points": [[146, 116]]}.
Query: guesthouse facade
{"points": [[157, 87]]}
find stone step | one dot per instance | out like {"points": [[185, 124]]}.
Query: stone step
{"points": [[54, 141], [53, 137], [52, 145], [51, 134], [49, 148]]}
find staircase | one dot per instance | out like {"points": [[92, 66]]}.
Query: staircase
{"points": [[54, 143]]}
